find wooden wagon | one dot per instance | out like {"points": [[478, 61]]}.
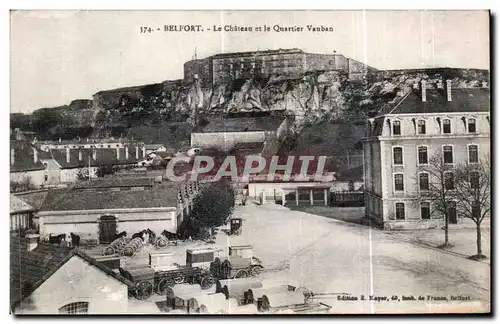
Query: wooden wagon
{"points": [[116, 247], [236, 226], [143, 280], [165, 279], [235, 267], [254, 295]]}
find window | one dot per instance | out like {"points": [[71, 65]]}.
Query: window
{"points": [[423, 180], [421, 126], [425, 210], [474, 180], [448, 154], [446, 126], [422, 155], [473, 155], [399, 182], [396, 127], [75, 308], [400, 211], [471, 125], [398, 155], [449, 182]]}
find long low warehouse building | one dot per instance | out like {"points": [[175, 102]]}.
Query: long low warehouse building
{"points": [[100, 214]]}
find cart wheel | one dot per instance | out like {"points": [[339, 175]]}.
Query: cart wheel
{"points": [[161, 242], [256, 270], [241, 274], [163, 285], [108, 250], [128, 251], [207, 282], [179, 279], [143, 290]]}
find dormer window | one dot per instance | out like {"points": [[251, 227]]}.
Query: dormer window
{"points": [[421, 127], [396, 127], [446, 126], [471, 125]]}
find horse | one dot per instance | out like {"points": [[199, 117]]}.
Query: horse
{"points": [[152, 236], [120, 235], [75, 239], [169, 235], [139, 234], [57, 239]]}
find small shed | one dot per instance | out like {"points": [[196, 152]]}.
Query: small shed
{"points": [[253, 295], [274, 301], [208, 304], [178, 295], [236, 288]]}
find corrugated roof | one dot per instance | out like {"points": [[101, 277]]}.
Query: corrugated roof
{"points": [[463, 100], [243, 124], [29, 269], [18, 205], [163, 195]]}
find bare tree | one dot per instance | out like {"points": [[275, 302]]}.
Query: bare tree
{"points": [[473, 195], [437, 189]]}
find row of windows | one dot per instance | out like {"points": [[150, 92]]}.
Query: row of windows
{"points": [[425, 185], [423, 154], [425, 211], [445, 126]]}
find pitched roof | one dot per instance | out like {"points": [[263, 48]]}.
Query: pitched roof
{"points": [[104, 156], [30, 269], [163, 195], [463, 100], [243, 124], [18, 205], [24, 158], [115, 182], [153, 146]]}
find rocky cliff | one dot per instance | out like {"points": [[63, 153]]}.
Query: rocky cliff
{"points": [[319, 95]]}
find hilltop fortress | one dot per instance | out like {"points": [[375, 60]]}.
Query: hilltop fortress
{"points": [[223, 68]]}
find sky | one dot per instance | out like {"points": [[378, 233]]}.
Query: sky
{"points": [[59, 56]]}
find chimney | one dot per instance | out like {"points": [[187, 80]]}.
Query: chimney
{"points": [[144, 151], [485, 84], [137, 152], [117, 153], [35, 155], [31, 241], [80, 157], [424, 90], [126, 152], [448, 90], [12, 156], [67, 154], [94, 153]]}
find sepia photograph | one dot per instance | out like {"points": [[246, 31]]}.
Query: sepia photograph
{"points": [[250, 162]]}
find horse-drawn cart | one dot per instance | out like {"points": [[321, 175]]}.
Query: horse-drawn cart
{"points": [[235, 267]]}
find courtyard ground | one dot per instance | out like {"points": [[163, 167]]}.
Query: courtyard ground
{"points": [[326, 255]]}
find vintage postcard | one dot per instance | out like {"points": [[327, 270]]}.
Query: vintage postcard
{"points": [[250, 162]]}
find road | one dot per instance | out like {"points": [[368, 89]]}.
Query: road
{"points": [[331, 256]]}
